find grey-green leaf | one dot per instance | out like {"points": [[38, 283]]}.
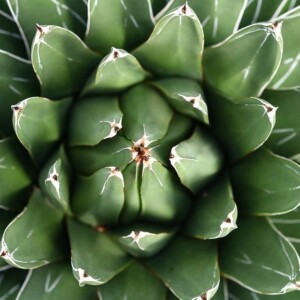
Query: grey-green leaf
{"points": [[266, 184], [243, 258], [189, 267], [233, 67], [36, 236], [96, 259]]}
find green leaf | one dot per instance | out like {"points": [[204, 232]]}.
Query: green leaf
{"points": [[123, 24], [284, 139], [189, 267], [135, 283], [17, 82], [99, 198], [258, 192], [116, 72], [65, 13], [141, 120], [93, 120], [288, 74], [196, 160], [16, 174], [185, 96], [96, 259], [61, 61], [240, 75], [142, 239], [182, 32], [249, 123], [213, 214], [54, 281], [219, 19], [222, 292], [110, 152], [245, 258], [236, 291], [10, 283], [35, 237], [55, 180], [39, 124]]}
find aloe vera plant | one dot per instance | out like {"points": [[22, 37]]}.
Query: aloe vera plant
{"points": [[149, 149]]}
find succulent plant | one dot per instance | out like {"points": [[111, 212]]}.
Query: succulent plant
{"points": [[149, 149]]}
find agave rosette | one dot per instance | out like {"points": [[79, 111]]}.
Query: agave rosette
{"points": [[141, 129]]}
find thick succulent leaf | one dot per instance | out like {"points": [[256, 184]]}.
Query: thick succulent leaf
{"points": [[182, 32], [116, 72], [93, 120], [95, 257], [264, 10], [196, 160], [163, 199], [16, 174], [135, 283], [285, 138], [99, 198], [55, 179], [10, 283], [185, 96], [222, 292], [17, 81], [10, 37], [111, 152], [219, 19], [288, 74], [240, 75], [61, 61], [237, 292], [243, 126], [189, 268], [54, 281], [65, 13], [259, 258], [266, 184], [141, 118], [213, 214], [40, 135], [130, 24], [35, 237], [143, 240]]}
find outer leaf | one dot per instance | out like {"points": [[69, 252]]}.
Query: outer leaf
{"points": [[61, 61], [40, 136], [185, 96], [214, 213], [288, 74], [218, 18], [241, 261], [196, 160], [35, 237], [116, 72], [17, 82], [242, 126], [240, 75], [54, 281], [99, 198], [16, 174], [130, 25], [135, 283], [10, 283], [189, 268], [284, 139], [182, 32], [65, 13], [93, 120], [266, 184], [95, 257]]}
